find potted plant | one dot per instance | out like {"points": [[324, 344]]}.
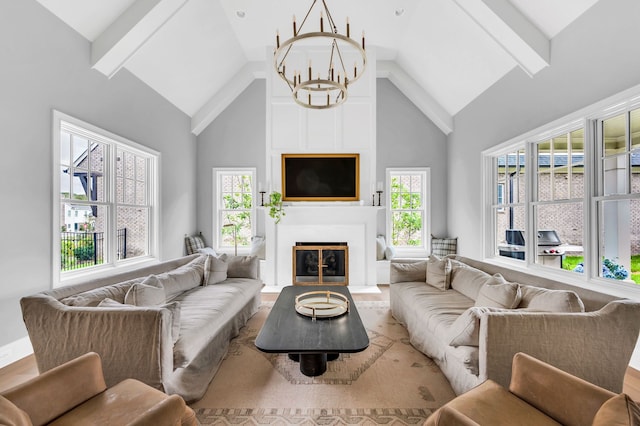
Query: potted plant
{"points": [[274, 203]]}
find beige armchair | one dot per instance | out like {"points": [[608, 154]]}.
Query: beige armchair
{"points": [[75, 393], [539, 394]]}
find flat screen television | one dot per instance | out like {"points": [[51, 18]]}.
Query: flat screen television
{"points": [[320, 177]]}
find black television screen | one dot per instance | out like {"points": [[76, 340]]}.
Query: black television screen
{"points": [[320, 177]]}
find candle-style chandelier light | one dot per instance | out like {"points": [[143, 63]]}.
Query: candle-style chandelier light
{"points": [[322, 85]]}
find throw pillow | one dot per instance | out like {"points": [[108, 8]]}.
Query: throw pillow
{"points": [[381, 245], [207, 250], [466, 279], [506, 295], [243, 267], [444, 246], [184, 278], [193, 243], [147, 293], [465, 330], [258, 247], [215, 270], [409, 271], [438, 272], [618, 411], [389, 252], [547, 300]]}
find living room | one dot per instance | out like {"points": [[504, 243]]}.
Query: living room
{"points": [[48, 67]]}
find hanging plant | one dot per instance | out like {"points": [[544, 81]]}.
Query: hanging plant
{"points": [[274, 203]]}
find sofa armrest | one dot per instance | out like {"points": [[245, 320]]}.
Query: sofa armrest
{"points": [[133, 343], [560, 395], [58, 390], [595, 346], [168, 411]]}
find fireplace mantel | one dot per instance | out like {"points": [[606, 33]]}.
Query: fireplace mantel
{"points": [[315, 222]]}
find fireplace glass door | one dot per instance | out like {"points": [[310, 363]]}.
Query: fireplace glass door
{"points": [[320, 264]]}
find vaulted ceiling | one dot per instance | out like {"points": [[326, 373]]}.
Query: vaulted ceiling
{"points": [[201, 54]]}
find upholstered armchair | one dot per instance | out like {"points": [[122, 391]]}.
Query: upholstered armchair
{"points": [[75, 393], [539, 394]]}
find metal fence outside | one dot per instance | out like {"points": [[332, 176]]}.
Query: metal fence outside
{"points": [[83, 249]]}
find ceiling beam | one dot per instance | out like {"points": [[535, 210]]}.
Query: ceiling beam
{"points": [[225, 96], [522, 40], [416, 94], [122, 39]]}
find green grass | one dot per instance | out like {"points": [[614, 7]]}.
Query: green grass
{"points": [[571, 262]]}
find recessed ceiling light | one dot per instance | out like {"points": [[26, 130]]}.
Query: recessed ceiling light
{"points": [[240, 13], [399, 12]]}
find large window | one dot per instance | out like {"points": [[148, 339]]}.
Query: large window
{"points": [[407, 228], [235, 207], [576, 188], [104, 199]]}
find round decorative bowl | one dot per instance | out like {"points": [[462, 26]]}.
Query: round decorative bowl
{"points": [[321, 304]]}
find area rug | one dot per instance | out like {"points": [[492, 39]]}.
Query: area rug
{"points": [[389, 383]]}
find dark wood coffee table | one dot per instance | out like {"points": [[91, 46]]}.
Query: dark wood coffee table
{"points": [[311, 342]]}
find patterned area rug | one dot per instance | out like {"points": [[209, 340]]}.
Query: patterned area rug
{"points": [[389, 383]]}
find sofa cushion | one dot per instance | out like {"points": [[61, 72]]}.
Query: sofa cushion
{"points": [[547, 300], [215, 270], [438, 272], [243, 266], [173, 307], [465, 329], [147, 293], [11, 415], [409, 272], [499, 295], [618, 411], [183, 278], [467, 280], [94, 297]]}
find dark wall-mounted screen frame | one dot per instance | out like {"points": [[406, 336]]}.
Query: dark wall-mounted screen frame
{"points": [[320, 177]]}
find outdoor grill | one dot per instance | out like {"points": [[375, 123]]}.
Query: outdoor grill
{"points": [[550, 251]]}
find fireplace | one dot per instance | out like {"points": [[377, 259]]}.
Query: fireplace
{"points": [[316, 263]]}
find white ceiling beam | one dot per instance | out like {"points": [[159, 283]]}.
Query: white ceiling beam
{"points": [[225, 96], [522, 40], [122, 39], [416, 94]]}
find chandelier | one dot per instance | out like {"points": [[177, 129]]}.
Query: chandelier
{"points": [[333, 76]]}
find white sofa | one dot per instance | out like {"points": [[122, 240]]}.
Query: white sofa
{"points": [[472, 317], [158, 324]]}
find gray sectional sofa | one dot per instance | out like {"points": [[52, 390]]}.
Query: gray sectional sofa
{"points": [[472, 317], [167, 325]]}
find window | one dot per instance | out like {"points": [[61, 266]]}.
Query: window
{"points": [[235, 208], [618, 197], [508, 208], [558, 208], [408, 202], [109, 184], [575, 185]]}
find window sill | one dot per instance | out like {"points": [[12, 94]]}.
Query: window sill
{"points": [[74, 277]]}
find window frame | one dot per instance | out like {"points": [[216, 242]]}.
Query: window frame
{"points": [[424, 249], [216, 225], [60, 122]]}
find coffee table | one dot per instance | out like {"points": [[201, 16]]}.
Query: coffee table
{"points": [[311, 342]]}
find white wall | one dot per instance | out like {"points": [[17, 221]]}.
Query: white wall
{"points": [[405, 137], [595, 57], [45, 66]]}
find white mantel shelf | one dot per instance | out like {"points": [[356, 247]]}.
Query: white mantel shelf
{"points": [[354, 224]]}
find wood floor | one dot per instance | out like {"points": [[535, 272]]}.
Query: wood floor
{"points": [[25, 369]]}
